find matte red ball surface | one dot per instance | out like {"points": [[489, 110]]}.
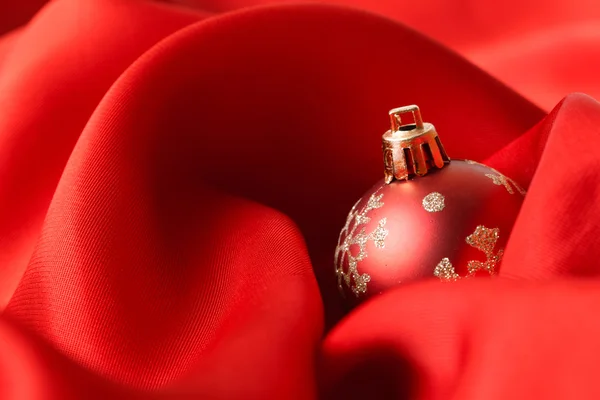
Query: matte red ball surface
{"points": [[393, 237]]}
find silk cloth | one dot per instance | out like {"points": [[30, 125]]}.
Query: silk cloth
{"points": [[174, 175]]}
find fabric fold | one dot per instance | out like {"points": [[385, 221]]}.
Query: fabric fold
{"points": [[172, 184]]}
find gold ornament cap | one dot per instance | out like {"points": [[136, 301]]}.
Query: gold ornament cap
{"points": [[412, 149]]}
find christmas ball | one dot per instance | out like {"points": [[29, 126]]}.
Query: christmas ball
{"points": [[429, 218]]}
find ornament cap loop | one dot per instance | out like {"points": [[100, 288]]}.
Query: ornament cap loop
{"points": [[411, 149], [396, 116]]}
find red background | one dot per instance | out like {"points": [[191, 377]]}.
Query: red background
{"points": [[173, 178]]}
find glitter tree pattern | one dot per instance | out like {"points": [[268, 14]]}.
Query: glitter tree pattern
{"points": [[484, 240], [354, 233]]}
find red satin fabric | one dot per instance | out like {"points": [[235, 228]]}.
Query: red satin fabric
{"points": [[173, 178]]}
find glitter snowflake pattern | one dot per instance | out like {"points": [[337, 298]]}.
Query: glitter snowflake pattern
{"points": [[501, 180], [445, 271], [484, 240], [354, 233], [434, 202]]}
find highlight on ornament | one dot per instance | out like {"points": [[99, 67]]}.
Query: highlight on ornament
{"points": [[429, 217]]}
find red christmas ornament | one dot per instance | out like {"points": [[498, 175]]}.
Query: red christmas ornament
{"points": [[428, 218]]}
